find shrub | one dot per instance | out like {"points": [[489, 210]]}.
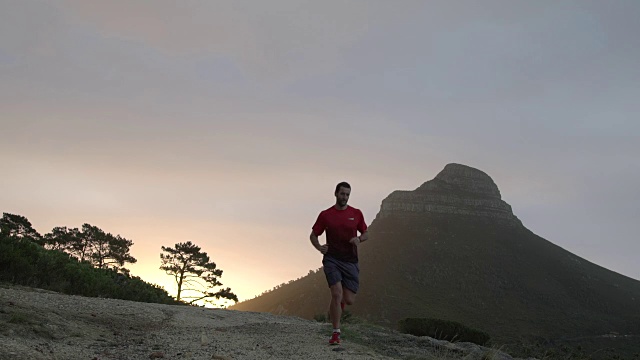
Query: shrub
{"points": [[442, 330], [24, 262]]}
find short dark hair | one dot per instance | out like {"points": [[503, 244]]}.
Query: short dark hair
{"points": [[343, 184]]}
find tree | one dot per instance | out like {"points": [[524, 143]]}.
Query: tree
{"points": [[62, 239], [93, 245], [18, 226], [118, 253], [194, 273]]}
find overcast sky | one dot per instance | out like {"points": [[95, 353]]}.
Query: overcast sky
{"points": [[229, 123]]}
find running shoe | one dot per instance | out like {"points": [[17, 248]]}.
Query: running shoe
{"points": [[335, 339]]}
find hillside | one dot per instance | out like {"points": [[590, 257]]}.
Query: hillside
{"points": [[37, 324]]}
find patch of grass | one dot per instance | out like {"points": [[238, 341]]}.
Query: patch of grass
{"points": [[19, 318], [491, 354], [347, 317], [385, 341], [594, 349], [437, 354], [352, 335], [77, 334], [348, 333], [323, 318], [443, 330], [43, 331]]}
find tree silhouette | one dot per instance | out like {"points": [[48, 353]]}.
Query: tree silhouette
{"points": [[194, 273], [20, 227], [61, 238], [93, 245]]}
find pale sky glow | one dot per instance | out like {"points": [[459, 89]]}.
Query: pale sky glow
{"points": [[229, 123]]}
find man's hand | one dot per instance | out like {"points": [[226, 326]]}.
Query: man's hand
{"points": [[323, 248], [316, 244], [355, 241]]}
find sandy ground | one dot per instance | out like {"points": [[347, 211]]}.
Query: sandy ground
{"points": [[39, 324]]}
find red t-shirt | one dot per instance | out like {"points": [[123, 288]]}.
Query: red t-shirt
{"points": [[341, 226]]}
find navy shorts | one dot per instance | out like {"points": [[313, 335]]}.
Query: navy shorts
{"points": [[347, 272]]}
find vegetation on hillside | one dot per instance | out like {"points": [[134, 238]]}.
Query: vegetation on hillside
{"points": [[91, 244], [442, 330], [88, 262]]}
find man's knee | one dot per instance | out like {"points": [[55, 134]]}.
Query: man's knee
{"points": [[348, 297], [336, 292], [349, 300]]}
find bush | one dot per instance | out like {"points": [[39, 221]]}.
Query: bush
{"points": [[442, 330], [24, 262]]}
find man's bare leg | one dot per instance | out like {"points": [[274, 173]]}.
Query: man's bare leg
{"points": [[334, 308], [339, 295]]}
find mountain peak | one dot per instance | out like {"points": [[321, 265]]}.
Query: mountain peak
{"points": [[462, 179], [456, 190]]}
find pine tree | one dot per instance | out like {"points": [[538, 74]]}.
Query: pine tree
{"points": [[194, 273]]}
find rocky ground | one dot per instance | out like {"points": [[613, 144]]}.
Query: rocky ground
{"points": [[39, 324]]}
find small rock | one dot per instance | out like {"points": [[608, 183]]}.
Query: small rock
{"points": [[156, 355], [204, 340]]}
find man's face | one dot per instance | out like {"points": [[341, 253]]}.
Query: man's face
{"points": [[342, 196]]}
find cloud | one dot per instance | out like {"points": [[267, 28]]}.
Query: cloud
{"points": [[266, 39]]}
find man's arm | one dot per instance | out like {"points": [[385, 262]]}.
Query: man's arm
{"points": [[316, 244], [362, 228], [359, 239]]}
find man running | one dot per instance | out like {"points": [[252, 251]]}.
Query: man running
{"points": [[340, 261]]}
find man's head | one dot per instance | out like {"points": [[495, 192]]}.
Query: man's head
{"points": [[343, 190]]}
